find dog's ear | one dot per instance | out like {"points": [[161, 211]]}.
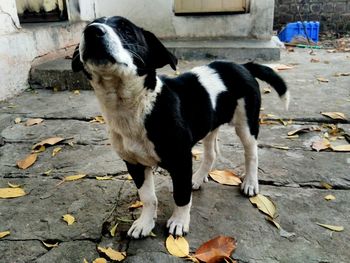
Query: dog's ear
{"points": [[76, 63], [159, 55]]}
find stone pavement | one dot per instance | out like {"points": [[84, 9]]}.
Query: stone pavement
{"points": [[292, 177]]}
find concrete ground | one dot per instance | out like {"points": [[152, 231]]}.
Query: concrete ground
{"points": [[292, 177]]}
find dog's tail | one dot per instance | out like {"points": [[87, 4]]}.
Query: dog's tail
{"points": [[271, 77]]}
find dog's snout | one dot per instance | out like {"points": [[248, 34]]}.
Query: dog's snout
{"points": [[95, 31]]}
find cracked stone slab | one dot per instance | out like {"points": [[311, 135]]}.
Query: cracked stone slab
{"points": [[21, 251], [90, 159], [38, 215]]}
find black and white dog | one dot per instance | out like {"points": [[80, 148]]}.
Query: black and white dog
{"points": [[155, 121]]}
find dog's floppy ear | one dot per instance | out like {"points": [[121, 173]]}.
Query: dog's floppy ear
{"points": [[76, 63], [159, 55]]}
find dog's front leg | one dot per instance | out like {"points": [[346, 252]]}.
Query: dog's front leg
{"points": [[143, 178], [179, 222]]}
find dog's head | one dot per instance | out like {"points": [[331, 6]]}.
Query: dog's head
{"points": [[116, 44]]}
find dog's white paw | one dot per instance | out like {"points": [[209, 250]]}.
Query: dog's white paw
{"points": [[250, 186], [142, 227], [178, 226], [197, 181]]}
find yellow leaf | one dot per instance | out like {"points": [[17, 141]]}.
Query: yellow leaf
{"points": [[13, 185], [74, 177], [69, 219], [47, 172], [49, 245], [18, 120], [113, 229], [39, 149], [274, 222], [85, 261], [225, 177], [322, 144], [104, 178], [4, 234], [264, 204], [56, 151], [11, 192], [321, 79], [98, 119], [196, 154], [151, 234], [331, 227], [100, 260], [266, 90], [49, 141], [135, 205], [291, 137], [280, 147], [340, 74], [129, 177], [28, 161], [335, 115], [326, 185], [76, 92], [329, 197], [341, 148], [31, 122], [178, 247], [112, 254]]}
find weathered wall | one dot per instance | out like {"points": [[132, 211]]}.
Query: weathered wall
{"points": [[334, 15]]}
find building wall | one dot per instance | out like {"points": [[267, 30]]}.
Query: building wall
{"points": [[334, 15]]}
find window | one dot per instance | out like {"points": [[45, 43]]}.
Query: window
{"points": [[210, 6]]}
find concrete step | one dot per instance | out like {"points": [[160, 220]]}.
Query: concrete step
{"points": [[57, 74]]}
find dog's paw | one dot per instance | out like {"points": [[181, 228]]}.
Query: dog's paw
{"points": [[142, 227], [250, 186], [178, 226], [198, 181]]}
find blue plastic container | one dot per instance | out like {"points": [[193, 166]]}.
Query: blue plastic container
{"points": [[296, 29]]}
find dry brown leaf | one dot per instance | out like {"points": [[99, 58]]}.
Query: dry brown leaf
{"points": [[321, 79], [31, 122], [342, 74], [56, 150], [320, 145], [100, 260], [98, 119], [196, 154], [334, 115], [299, 131], [178, 247], [264, 204], [331, 227], [28, 161], [279, 67], [18, 120], [280, 147], [112, 254], [13, 185], [326, 185], [216, 249], [341, 148], [69, 219], [273, 221], [314, 60], [4, 234], [102, 178], [113, 230], [225, 177], [49, 141], [11, 192], [49, 245], [73, 177], [329, 197], [135, 205]]}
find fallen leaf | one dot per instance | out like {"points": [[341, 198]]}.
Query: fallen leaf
{"points": [[291, 137], [314, 60], [49, 245], [279, 67], [281, 147], [196, 154], [98, 119], [13, 185], [266, 90], [73, 177], [264, 204], [341, 148], [334, 115], [285, 123], [49, 141], [18, 120], [331, 50], [100, 260], [178, 247], [129, 177], [329, 197], [320, 145], [326, 185], [340, 74], [39, 149], [113, 229], [331, 227], [321, 79], [28, 161], [4, 234], [11, 192], [85, 261], [31, 122], [112, 254], [101, 178], [76, 92], [56, 151], [48, 172], [216, 249], [299, 131], [135, 205], [151, 234], [225, 177], [69, 219], [273, 221]]}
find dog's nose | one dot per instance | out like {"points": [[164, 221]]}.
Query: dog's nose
{"points": [[95, 31]]}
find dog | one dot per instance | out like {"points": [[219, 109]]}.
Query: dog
{"points": [[156, 120]]}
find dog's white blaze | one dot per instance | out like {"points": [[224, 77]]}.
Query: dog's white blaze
{"points": [[145, 223], [180, 220], [211, 81]]}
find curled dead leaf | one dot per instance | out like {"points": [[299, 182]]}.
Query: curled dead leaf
{"points": [[225, 177], [342, 74], [28, 161], [49, 141], [196, 154], [326, 185], [98, 119], [112, 254], [11, 192], [39, 149], [329, 197], [13, 185], [73, 177], [56, 150], [135, 205], [69, 219], [280, 147], [177, 247], [321, 79], [266, 90], [216, 249], [341, 148], [100, 260], [18, 120], [102, 178], [264, 204], [332, 227], [334, 115], [49, 244], [320, 145], [4, 234], [113, 230], [31, 122]]}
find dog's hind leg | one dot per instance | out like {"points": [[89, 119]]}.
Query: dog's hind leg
{"points": [[250, 185], [211, 150], [143, 178]]}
